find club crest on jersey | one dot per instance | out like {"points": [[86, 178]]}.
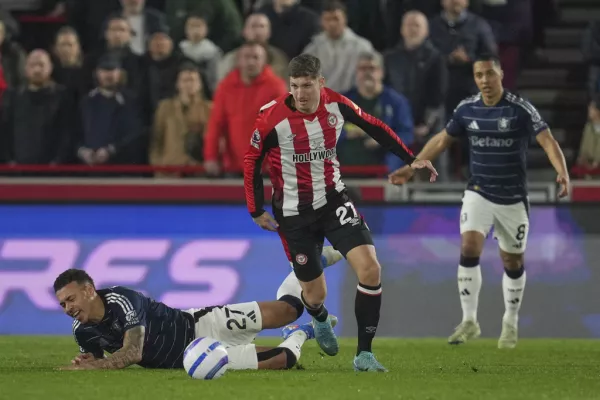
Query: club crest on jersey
{"points": [[332, 120], [301, 259], [255, 140], [317, 144], [503, 124]]}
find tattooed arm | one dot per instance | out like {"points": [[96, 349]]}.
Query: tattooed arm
{"points": [[129, 354]]}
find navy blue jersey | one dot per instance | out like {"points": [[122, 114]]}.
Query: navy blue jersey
{"points": [[168, 330], [499, 138]]}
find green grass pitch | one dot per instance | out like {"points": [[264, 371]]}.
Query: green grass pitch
{"points": [[419, 369]]}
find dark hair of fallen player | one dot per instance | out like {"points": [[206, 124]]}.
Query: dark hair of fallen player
{"points": [[72, 275]]}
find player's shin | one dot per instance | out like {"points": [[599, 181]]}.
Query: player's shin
{"points": [[277, 358], [317, 311], [294, 344], [367, 308], [469, 286], [513, 286], [313, 297]]}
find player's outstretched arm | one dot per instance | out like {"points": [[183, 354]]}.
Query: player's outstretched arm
{"points": [[432, 149], [129, 354], [380, 132], [557, 158]]}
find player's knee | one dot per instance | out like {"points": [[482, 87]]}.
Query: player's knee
{"points": [[370, 273], [295, 304], [472, 244], [511, 261], [470, 249], [314, 295]]}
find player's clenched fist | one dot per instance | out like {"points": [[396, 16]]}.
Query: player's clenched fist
{"points": [[267, 222], [83, 358]]}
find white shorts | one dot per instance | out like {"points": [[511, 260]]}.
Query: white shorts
{"points": [[235, 326], [510, 222], [232, 325]]}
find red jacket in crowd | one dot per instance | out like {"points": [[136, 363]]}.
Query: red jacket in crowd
{"points": [[235, 109]]}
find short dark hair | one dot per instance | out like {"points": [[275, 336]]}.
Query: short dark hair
{"points": [[72, 275], [188, 66], [334, 5], [116, 17], [489, 58], [596, 100], [67, 30], [252, 43], [304, 65], [196, 15]]}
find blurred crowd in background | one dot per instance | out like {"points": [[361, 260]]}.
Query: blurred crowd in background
{"points": [[180, 82]]}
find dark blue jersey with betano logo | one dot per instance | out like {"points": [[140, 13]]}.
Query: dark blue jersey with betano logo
{"points": [[168, 330], [498, 138]]}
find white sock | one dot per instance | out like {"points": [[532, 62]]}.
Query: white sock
{"points": [[290, 286], [513, 297], [294, 343], [469, 285]]}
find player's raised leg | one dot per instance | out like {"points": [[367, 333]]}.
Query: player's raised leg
{"points": [[476, 220], [291, 285], [512, 227], [304, 250]]}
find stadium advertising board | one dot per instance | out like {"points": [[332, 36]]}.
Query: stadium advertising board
{"points": [[194, 256]]}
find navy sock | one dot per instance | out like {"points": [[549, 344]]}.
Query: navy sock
{"points": [[515, 273]]}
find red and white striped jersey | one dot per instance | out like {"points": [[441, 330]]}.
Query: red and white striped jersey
{"points": [[301, 149]]}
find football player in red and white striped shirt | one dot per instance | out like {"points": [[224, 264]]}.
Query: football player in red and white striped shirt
{"points": [[298, 134]]}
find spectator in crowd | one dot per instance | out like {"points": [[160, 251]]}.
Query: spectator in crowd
{"points": [[591, 55], [180, 123], [589, 151], [110, 121], [511, 23], [12, 60], [163, 64], [338, 48], [118, 44], [68, 63], [462, 37], [198, 48], [36, 125], [223, 18], [372, 96], [257, 29], [88, 17], [237, 102], [376, 20], [292, 25], [143, 21], [418, 70]]}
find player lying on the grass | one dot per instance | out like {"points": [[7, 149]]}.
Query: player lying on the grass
{"points": [[135, 329], [498, 126]]}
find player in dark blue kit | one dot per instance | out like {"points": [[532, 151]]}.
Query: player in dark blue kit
{"points": [[135, 329], [498, 126]]}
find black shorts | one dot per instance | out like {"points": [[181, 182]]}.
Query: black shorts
{"points": [[303, 235]]}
